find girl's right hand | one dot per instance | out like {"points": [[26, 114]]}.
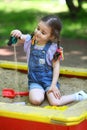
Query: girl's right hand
{"points": [[16, 33]]}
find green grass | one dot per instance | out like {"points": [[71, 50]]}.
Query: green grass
{"points": [[24, 15]]}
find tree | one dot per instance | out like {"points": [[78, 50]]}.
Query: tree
{"points": [[73, 8]]}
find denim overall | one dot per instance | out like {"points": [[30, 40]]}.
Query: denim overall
{"points": [[39, 71]]}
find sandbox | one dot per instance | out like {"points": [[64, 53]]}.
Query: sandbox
{"points": [[26, 117]]}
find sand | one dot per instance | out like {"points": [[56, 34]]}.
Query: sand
{"points": [[18, 81]]}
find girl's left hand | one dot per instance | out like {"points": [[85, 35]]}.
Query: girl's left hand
{"points": [[55, 91]]}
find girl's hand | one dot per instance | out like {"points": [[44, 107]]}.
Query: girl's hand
{"points": [[16, 33], [55, 91]]}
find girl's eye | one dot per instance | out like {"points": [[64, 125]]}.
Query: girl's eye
{"points": [[43, 33], [38, 28]]}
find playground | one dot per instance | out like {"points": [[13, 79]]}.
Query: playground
{"points": [[15, 110], [13, 76]]}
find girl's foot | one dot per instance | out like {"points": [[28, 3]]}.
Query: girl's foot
{"points": [[81, 95]]}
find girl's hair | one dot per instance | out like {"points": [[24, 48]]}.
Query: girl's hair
{"points": [[55, 23]]}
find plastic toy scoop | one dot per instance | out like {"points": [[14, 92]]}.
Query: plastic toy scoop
{"points": [[12, 40], [10, 93]]}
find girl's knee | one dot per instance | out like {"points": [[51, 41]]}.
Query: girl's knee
{"points": [[36, 101], [36, 96], [55, 102]]}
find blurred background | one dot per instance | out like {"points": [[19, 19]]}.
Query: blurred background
{"points": [[24, 15]]}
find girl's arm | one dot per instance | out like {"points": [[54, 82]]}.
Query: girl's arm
{"points": [[56, 69], [53, 88], [18, 34]]}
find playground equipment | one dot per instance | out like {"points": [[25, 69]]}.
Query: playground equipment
{"points": [[13, 117], [19, 117]]}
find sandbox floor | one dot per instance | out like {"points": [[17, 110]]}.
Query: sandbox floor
{"points": [[18, 81]]}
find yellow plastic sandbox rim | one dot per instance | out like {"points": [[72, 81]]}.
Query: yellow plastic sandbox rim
{"points": [[71, 71], [54, 115]]}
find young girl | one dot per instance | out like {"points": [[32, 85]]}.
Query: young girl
{"points": [[43, 56]]}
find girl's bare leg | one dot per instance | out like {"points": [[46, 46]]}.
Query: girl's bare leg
{"points": [[79, 96], [36, 96], [62, 101]]}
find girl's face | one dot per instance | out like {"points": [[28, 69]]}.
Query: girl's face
{"points": [[43, 33]]}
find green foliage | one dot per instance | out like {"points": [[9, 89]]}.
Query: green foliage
{"points": [[75, 27], [24, 15]]}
